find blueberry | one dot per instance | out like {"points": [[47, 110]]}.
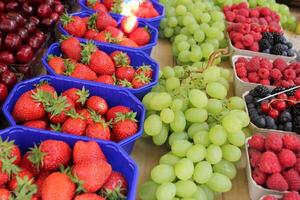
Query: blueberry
{"points": [[289, 44], [288, 126], [259, 121], [290, 53], [285, 47], [249, 98], [270, 123], [285, 116]]}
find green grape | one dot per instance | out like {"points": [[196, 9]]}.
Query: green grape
{"points": [[212, 74], [237, 139], [167, 115], [202, 173], [162, 174], [200, 194], [220, 36], [204, 27], [164, 23], [243, 117], [188, 198], [195, 127], [226, 168], [148, 190], [184, 45], [162, 137], [247, 132], [168, 72], [168, 32], [188, 20], [219, 25], [197, 14], [175, 51], [195, 115], [185, 31], [184, 56], [147, 99], [180, 147], [199, 65], [207, 50], [201, 137], [205, 17], [172, 83], [198, 98], [179, 71], [224, 82], [231, 123], [192, 28], [196, 153], [185, 188], [216, 90], [226, 73], [172, 22], [169, 159], [214, 106], [192, 42], [212, 32], [219, 183], [166, 191], [217, 135], [213, 41], [153, 125], [177, 136], [160, 101], [177, 104], [157, 89], [184, 169], [231, 153], [199, 36], [236, 103], [213, 154], [196, 55], [252, 3], [180, 38], [217, 16], [179, 123], [283, 9], [180, 10]]}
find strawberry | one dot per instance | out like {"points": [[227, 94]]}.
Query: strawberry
{"points": [[5, 194], [45, 87], [25, 189], [103, 37], [87, 151], [113, 111], [104, 20], [146, 10], [124, 126], [98, 130], [4, 177], [108, 4], [57, 64], [125, 73], [96, 5], [58, 186], [140, 81], [93, 174], [146, 70], [141, 36], [39, 182], [79, 97], [97, 60], [115, 32], [97, 104], [28, 165], [124, 83], [106, 79], [50, 155], [80, 71], [40, 124], [86, 114], [120, 58], [57, 110], [88, 196], [115, 186], [91, 34], [129, 24], [73, 25], [71, 47], [13, 183], [75, 124], [128, 43]]}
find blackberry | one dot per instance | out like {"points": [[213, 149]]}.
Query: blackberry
{"points": [[292, 92], [278, 89], [264, 44], [279, 39], [296, 124], [277, 49], [296, 110], [269, 37], [260, 91]]}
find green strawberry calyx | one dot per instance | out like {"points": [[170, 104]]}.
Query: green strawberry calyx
{"points": [[88, 49], [117, 6], [92, 22], [73, 114], [70, 67], [121, 59], [66, 19], [57, 106], [124, 83], [25, 189], [115, 194], [83, 95], [142, 78], [125, 116], [144, 68], [98, 118], [36, 156], [92, 2], [6, 161], [55, 127], [74, 179]]}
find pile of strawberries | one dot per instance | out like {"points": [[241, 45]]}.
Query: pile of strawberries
{"points": [[53, 170], [266, 72], [145, 9], [87, 62], [74, 112], [287, 196], [275, 161], [102, 27]]}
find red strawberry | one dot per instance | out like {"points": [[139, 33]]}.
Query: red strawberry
{"points": [[129, 24], [146, 70], [113, 111], [91, 34], [39, 182], [108, 4], [93, 174], [128, 43], [96, 5], [115, 186], [75, 124], [87, 151], [97, 104], [115, 32], [125, 73], [120, 58], [86, 114], [71, 47], [3, 92], [28, 165], [4, 194], [98, 60], [13, 183], [4, 177], [98, 130], [106, 79], [40, 124], [140, 81], [9, 151], [58, 186], [45, 87], [88, 196], [73, 25], [124, 126], [104, 20], [57, 64], [79, 97], [140, 36], [103, 36], [80, 71]]}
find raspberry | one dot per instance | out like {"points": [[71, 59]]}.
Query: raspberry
{"points": [[241, 72], [291, 142], [243, 5], [289, 74], [237, 37], [291, 196], [257, 142], [265, 82], [263, 22], [237, 27], [273, 142], [245, 80], [244, 12], [287, 83], [263, 73], [259, 177], [253, 64], [277, 182], [297, 81], [256, 36], [276, 74], [264, 11], [254, 13], [253, 77], [255, 20], [280, 64], [246, 28], [269, 163], [242, 60], [255, 28], [230, 16], [239, 45], [254, 157], [293, 179], [269, 197], [248, 40], [254, 47], [265, 63], [287, 158], [240, 19], [297, 165]]}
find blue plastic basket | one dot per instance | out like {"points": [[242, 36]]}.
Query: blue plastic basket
{"points": [[119, 160], [155, 22], [147, 48], [138, 58], [114, 96]]}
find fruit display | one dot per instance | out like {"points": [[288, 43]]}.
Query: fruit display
{"points": [[195, 28], [81, 60], [7, 80], [274, 161], [287, 196], [102, 27], [259, 70], [279, 112]]}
